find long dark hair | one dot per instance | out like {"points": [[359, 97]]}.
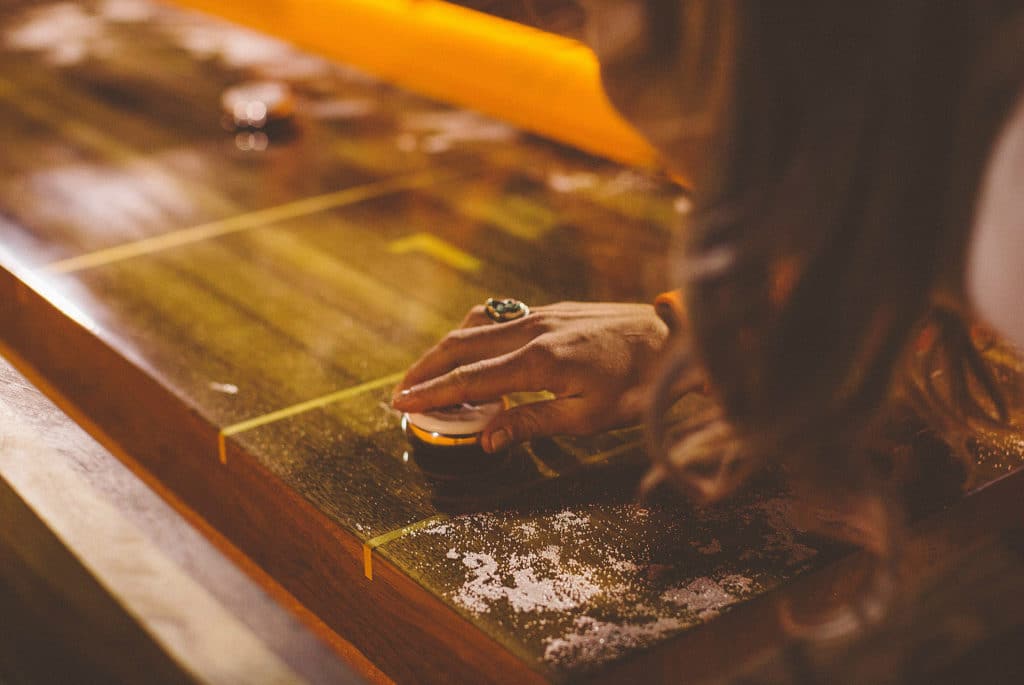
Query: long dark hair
{"points": [[822, 263]]}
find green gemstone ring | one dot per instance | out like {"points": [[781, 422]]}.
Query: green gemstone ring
{"points": [[503, 311]]}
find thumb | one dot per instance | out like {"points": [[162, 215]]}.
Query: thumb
{"points": [[534, 420]]}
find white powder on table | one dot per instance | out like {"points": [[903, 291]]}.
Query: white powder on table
{"points": [[528, 582], [703, 596]]}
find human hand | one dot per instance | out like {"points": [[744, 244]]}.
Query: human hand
{"points": [[595, 358]]}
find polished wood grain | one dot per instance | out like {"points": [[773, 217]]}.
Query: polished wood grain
{"points": [[230, 319]]}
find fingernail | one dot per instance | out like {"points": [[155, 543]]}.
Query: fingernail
{"points": [[401, 397], [500, 439]]}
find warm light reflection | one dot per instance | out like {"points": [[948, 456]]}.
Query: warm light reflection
{"points": [[47, 287], [438, 131], [127, 201], [252, 141], [68, 34]]}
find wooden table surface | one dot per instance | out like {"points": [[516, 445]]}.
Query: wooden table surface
{"points": [[228, 313]]}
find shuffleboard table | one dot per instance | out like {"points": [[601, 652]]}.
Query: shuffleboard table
{"points": [[228, 311]]}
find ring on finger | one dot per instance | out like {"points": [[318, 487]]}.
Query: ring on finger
{"points": [[503, 311]]}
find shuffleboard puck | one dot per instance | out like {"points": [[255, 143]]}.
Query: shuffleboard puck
{"points": [[455, 426]]}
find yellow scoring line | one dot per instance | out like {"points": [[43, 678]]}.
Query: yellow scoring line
{"points": [[242, 222], [612, 452], [437, 248], [299, 408], [374, 543]]}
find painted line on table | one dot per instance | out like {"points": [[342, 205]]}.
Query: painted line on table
{"points": [[439, 249], [242, 222], [300, 408], [612, 452], [373, 543], [542, 468]]}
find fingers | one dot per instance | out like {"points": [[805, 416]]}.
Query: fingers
{"points": [[467, 345], [476, 317], [536, 420], [521, 370]]}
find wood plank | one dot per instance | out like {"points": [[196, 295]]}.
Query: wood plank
{"points": [[272, 346], [127, 588]]}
